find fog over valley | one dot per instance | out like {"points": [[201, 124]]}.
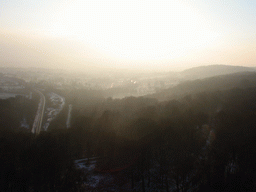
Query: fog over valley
{"points": [[141, 96]]}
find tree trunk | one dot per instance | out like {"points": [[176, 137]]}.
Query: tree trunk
{"points": [[132, 180], [143, 182], [177, 183], [148, 178], [166, 184], [162, 181]]}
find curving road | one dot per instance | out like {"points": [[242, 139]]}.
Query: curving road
{"points": [[39, 114]]}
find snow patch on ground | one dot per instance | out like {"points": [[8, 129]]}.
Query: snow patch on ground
{"points": [[24, 123]]}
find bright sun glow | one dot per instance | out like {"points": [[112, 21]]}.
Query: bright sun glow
{"points": [[136, 29]]}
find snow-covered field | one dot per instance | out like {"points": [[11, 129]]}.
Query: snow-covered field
{"points": [[57, 104], [7, 95]]}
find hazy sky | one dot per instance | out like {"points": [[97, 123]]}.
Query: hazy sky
{"points": [[150, 34]]}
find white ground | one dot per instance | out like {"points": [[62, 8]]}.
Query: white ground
{"points": [[51, 112]]}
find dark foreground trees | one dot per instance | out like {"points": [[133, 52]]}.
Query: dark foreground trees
{"points": [[43, 163], [203, 142]]}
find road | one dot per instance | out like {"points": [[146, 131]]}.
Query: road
{"points": [[39, 114], [69, 115]]}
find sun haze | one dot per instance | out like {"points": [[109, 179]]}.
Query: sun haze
{"points": [[154, 34]]}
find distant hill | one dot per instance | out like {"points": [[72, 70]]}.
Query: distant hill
{"points": [[222, 82], [212, 70]]}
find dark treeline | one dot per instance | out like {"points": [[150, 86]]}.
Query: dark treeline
{"points": [[30, 163], [15, 110], [205, 141], [43, 163], [221, 82]]}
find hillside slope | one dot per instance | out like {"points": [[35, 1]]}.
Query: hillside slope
{"points": [[212, 70], [222, 82]]}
